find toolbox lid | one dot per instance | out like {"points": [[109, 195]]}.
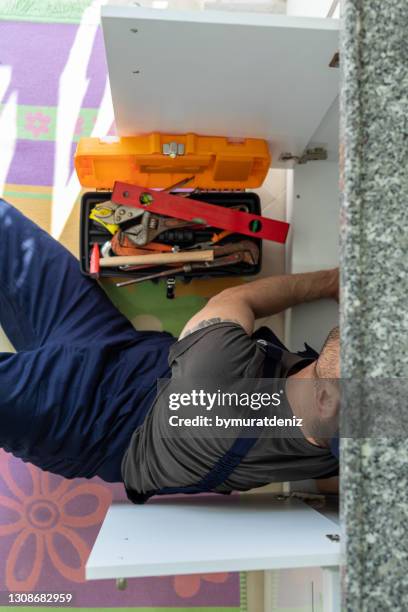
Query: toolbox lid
{"points": [[161, 160]]}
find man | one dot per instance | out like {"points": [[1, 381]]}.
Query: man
{"points": [[79, 396]]}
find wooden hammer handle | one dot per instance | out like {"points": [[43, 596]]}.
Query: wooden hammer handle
{"points": [[157, 258]]}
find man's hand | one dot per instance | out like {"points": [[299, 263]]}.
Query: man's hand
{"points": [[265, 297], [328, 485]]}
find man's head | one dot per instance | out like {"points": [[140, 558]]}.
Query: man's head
{"points": [[328, 363], [317, 399], [324, 423]]}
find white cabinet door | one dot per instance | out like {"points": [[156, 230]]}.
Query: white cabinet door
{"points": [[221, 73]]}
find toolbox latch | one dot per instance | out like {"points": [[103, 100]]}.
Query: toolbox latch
{"points": [[173, 149]]}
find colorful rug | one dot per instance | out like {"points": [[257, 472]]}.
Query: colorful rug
{"points": [[53, 90]]}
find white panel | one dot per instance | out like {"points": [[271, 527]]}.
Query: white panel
{"points": [[336, 13], [331, 589], [221, 73], [309, 8], [315, 226], [262, 6], [193, 535]]}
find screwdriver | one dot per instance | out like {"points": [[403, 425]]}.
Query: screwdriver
{"points": [[228, 260]]}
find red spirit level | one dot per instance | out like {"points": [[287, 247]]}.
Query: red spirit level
{"points": [[220, 217]]}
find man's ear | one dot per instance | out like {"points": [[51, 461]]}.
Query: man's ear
{"points": [[327, 400]]}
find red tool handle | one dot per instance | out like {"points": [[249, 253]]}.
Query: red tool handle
{"points": [[200, 212], [94, 265]]}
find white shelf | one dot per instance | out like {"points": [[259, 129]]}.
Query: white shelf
{"points": [[211, 534]]}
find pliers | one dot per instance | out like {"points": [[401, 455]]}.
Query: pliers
{"points": [[111, 214]]}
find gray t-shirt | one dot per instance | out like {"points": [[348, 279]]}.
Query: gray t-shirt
{"points": [[154, 461]]}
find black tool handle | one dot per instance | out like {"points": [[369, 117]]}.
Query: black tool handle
{"points": [[184, 237]]}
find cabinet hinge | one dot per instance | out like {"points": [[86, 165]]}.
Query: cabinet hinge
{"points": [[314, 154]]}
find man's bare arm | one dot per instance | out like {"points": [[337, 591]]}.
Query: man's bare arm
{"points": [[265, 297]]}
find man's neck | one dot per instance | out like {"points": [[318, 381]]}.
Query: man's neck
{"points": [[301, 396]]}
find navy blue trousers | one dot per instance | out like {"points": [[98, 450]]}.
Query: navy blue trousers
{"points": [[83, 378]]}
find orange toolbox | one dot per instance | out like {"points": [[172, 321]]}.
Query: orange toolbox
{"points": [[201, 169]]}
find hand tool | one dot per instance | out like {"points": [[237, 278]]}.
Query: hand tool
{"points": [[185, 237], [111, 227], [151, 226], [214, 240], [106, 250], [141, 226], [200, 212], [222, 262], [156, 258], [247, 247], [248, 252], [249, 255], [122, 245], [171, 288], [178, 185], [94, 264], [99, 233], [112, 215]]}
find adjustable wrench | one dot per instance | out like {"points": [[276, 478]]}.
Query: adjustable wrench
{"points": [[151, 226]]}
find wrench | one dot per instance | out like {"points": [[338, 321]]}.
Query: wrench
{"points": [[151, 226]]}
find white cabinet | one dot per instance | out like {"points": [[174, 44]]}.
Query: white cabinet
{"points": [[238, 75]]}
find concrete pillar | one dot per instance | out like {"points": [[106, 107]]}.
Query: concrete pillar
{"points": [[374, 304]]}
